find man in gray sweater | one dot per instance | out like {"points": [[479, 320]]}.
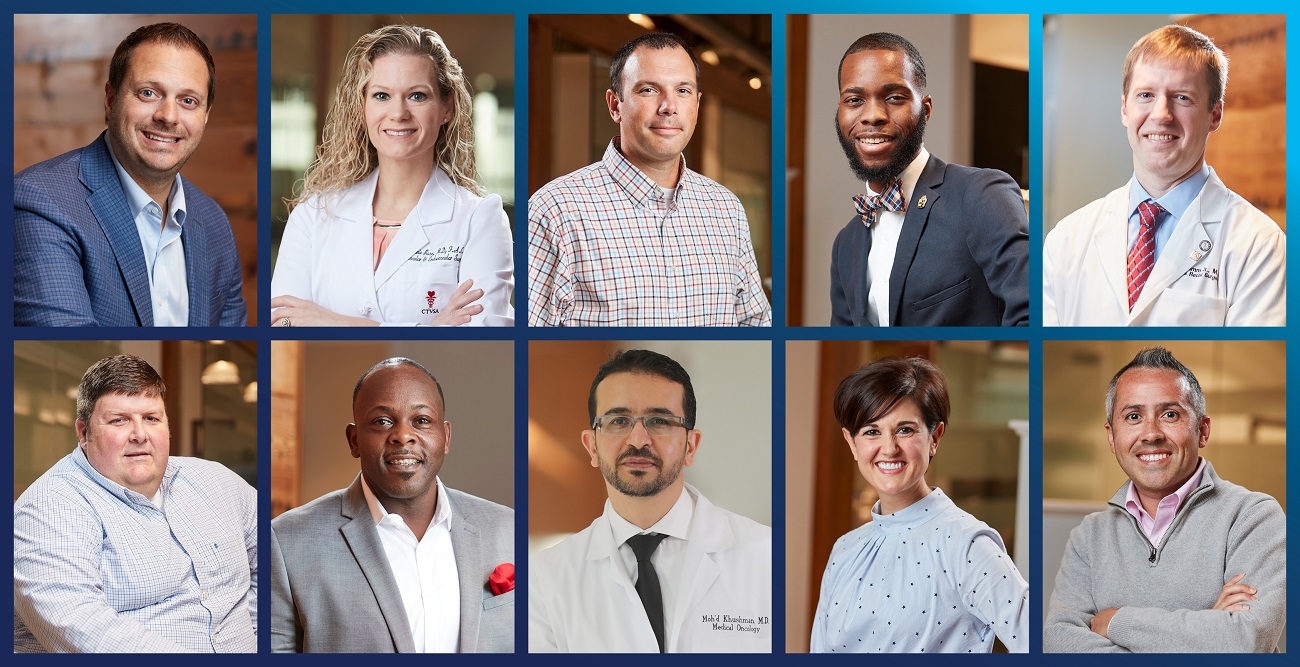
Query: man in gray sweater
{"points": [[1182, 560]]}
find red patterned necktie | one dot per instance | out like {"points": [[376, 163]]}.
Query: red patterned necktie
{"points": [[1142, 257], [891, 198]]}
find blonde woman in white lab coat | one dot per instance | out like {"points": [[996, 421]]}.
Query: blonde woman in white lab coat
{"points": [[390, 227]]}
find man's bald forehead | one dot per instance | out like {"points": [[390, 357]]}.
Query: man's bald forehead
{"points": [[398, 362]]}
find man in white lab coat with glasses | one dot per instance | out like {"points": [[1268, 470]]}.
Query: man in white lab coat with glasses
{"points": [[662, 569]]}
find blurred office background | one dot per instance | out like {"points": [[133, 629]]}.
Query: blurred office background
{"points": [[1245, 397], [1085, 149], [61, 66], [569, 125], [307, 54], [211, 399], [982, 463], [977, 71], [311, 406], [733, 389]]}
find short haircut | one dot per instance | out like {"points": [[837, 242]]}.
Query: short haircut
{"points": [[1180, 44], [888, 41], [122, 374], [398, 361], [174, 34], [655, 41], [645, 362], [1159, 358], [870, 392]]}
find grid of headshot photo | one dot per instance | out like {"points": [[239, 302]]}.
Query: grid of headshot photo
{"points": [[545, 327]]}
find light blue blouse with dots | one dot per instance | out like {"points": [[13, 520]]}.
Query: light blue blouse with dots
{"points": [[927, 579]]}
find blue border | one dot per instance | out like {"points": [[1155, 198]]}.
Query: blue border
{"points": [[779, 334]]}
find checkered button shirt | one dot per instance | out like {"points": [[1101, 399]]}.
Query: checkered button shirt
{"points": [[99, 568], [606, 248]]}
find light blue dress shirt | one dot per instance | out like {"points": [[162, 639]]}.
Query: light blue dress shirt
{"points": [[164, 252], [1175, 201], [927, 579], [100, 568]]}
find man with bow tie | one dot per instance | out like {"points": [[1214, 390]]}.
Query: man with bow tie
{"points": [[931, 243]]}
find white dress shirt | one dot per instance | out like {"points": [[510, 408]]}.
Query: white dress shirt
{"points": [[164, 253], [425, 571], [885, 231], [667, 558]]}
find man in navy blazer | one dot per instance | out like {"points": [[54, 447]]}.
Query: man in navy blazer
{"points": [[932, 243], [110, 234]]}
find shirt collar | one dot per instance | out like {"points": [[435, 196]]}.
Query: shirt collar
{"points": [[441, 512], [638, 186], [931, 506], [121, 492], [1134, 504], [676, 523], [911, 174], [138, 200], [1176, 200]]}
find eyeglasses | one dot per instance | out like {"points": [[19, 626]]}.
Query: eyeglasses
{"points": [[654, 424]]}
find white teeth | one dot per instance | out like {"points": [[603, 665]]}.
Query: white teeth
{"points": [[404, 462], [873, 140], [399, 133], [1153, 457], [891, 465], [158, 138], [1160, 137]]}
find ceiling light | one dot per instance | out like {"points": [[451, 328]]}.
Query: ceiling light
{"points": [[642, 20]]}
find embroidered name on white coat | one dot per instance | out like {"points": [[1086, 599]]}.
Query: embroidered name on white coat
{"points": [[730, 623], [1208, 274], [446, 253]]}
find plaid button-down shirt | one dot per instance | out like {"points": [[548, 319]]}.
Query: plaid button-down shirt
{"points": [[607, 248]]}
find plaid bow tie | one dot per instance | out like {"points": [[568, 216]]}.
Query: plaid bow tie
{"points": [[891, 198]]}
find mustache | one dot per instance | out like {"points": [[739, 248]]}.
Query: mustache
{"points": [[641, 452]]}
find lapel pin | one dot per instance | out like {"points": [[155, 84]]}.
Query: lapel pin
{"points": [[921, 202], [1206, 245], [1196, 256]]}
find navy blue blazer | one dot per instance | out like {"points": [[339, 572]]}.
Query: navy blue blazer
{"points": [[962, 258], [77, 254]]}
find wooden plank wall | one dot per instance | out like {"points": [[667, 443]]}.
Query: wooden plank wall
{"points": [[1249, 149], [61, 66]]}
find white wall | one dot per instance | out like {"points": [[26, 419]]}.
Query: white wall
{"points": [[943, 41]]}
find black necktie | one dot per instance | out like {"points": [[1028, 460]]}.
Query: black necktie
{"points": [[647, 582]]}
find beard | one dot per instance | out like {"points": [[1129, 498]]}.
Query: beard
{"points": [[909, 145], [640, 483]]}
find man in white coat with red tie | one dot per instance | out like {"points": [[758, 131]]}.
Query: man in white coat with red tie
{"points": [[662, 570], [1175, 246]]}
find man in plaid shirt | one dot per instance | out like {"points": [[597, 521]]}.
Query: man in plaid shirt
{"points": [[638, 239]]}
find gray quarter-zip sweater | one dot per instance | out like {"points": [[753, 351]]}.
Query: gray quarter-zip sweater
{"points": [[1164, 595]]}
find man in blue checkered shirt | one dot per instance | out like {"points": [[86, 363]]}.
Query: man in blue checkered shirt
{"points": [[122, 548]]}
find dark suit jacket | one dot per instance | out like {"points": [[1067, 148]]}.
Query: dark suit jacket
{"points": [[332, 590], [77, 254], [962, 259]]}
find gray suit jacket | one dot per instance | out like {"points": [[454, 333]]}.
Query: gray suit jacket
{"points": [[333, 592]]}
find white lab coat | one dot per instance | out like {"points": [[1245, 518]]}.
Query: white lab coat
{"points": [[582, 600], [1224, 264], [327, 255]]}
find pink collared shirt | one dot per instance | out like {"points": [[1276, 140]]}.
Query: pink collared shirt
{"points": [[1155, 528]]}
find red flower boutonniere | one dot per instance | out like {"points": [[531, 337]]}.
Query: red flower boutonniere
{"points": [[502, 579]]}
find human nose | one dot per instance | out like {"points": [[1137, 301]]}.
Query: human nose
{"points": [[667, 105], [1161, 107], [165, 112], [639, 434], [138, 431], [890, 446], [872, 113], [399, 110], [401, 434]]}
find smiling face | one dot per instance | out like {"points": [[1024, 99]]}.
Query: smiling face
{"points": [[400, 436], [404, 113], [638, 464], [893, 453], [126, 440], [657, 108], [881, 115], [1154, 432], [157, 116], [1169, 118]]}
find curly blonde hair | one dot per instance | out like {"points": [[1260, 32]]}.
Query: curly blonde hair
{"points": [[345, 155]]}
